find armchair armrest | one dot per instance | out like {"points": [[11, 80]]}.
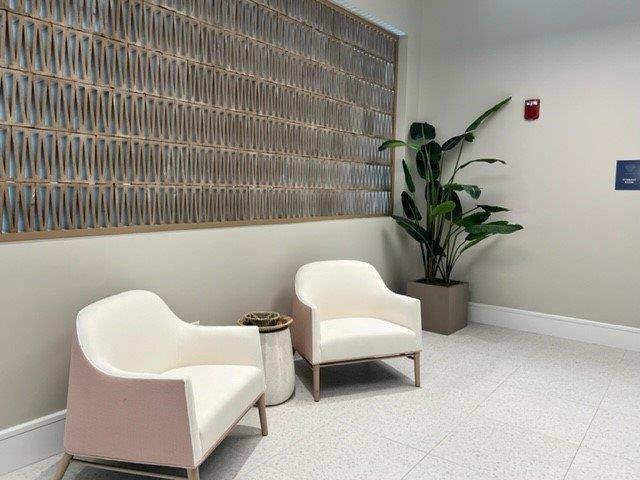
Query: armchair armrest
{"points": [[305, 329], [129, 417], [399, 309], [228, 345]]}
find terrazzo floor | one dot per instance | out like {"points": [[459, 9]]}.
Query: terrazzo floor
{"points": [[495, 404]]}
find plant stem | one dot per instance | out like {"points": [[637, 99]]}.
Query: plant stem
{"points": [[455, 168]]}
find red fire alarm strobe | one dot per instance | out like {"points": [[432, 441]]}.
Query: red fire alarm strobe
{"points": [[532, 109]]}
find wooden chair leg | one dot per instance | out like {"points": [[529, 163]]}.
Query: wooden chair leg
{"points": [[63, 464], [416, 368], [316, 382], [262, 410], [193, 473]]}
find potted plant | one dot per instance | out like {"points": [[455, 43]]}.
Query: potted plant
{"points": [[448, 227]]}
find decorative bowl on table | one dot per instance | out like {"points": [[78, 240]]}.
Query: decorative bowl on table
{"points": [[261, 319]]}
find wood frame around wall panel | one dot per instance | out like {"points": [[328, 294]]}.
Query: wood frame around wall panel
{"points": [[124, 116]]}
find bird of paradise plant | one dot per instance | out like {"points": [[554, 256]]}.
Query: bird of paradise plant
{"points": [[446, 229]]}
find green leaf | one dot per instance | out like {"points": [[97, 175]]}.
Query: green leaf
{"points": [[486, 115], [409, 206], [457, 212], [408, 179], [391, 144], [452, 142], [433, 192], [474, 242], [434, 150], [483, 160], [417, 232], [421, 164], [493, 209], [473, 219], [473, 190], [431, 152], [422, 131], [475, 236], [442, 208], [494, 228]]}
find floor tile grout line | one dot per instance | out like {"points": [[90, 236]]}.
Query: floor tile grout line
{"points": [[473, 469], [457, 424], [279, 451], [340, 417], [595, 413], [618, 410], [337, 419], [466, 417], [380, 436], [621, 457], [414, 467], [427, 452]]}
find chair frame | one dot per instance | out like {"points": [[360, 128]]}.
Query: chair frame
{"points": [[192, 473], [415, 356]]}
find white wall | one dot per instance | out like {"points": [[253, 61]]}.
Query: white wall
{"points": [[578, 255], [207, 275]]}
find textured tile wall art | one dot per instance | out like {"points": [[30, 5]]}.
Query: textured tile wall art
{"points": [[138, 115]]}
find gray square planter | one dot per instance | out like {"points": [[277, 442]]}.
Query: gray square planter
{"points": [[444, 307]]}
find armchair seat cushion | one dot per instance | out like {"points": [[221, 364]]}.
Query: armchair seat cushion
{"points": [[353, 338], [221, 394]]}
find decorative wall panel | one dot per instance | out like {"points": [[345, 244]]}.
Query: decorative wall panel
{"points": [[136, 115]]}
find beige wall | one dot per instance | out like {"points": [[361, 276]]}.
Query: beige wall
{"points": [[207, 275], [578, 255]]}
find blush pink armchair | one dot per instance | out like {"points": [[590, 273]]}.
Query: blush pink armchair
{"points": [[148, 388], [344, 313]]}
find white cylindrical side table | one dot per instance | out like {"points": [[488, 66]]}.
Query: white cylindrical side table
{"points": [[277, 357]]}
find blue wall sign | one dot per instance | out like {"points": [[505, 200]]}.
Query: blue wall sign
{"points": [[628, 175]]}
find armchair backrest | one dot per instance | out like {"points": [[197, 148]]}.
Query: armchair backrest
{"points": [[134, 332], [339, 288]]}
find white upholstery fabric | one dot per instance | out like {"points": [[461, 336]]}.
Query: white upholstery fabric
{"points": [[131, 332], [135, 335], [350, 338], [344, 290], [221, 394]]}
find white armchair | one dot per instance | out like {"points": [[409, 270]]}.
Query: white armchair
{"points": [[344, 313], [148, 388]]}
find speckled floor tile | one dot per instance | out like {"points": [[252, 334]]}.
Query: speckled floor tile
{"points": [[615, 432], [624, 392], [340, 452], [594, 465], [420, 418], [434, 468], [584, 385], [539, 413], [506, 451], [265, 473]]}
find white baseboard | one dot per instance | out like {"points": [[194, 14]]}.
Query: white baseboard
{"points": [[31, 442], [556, 325]]}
